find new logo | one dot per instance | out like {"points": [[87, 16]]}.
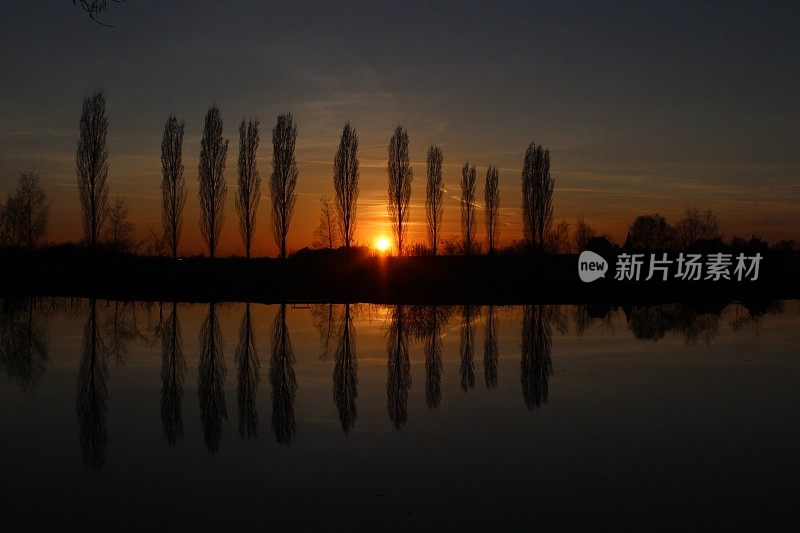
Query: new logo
{"points": [[591, 266]]}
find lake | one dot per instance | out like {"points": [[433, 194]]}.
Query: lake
{"points": [[123, 415]]}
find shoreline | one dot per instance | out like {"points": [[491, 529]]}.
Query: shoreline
{"points": [[337, 277]]}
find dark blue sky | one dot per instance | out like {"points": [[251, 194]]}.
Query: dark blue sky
{"points": [[646, 106]]}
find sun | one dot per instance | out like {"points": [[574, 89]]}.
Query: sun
{"points": [[382, 244]]}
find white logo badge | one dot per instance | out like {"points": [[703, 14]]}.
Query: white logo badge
{"points": [[591, 266]]}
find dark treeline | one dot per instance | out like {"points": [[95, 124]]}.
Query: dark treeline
{"points": [[106, 221], [417, 329], [360, 277]]}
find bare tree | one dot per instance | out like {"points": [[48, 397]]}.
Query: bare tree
{"points": [[582, 235], [327, 232], [95, 8], [283, 179], [557, 239], [345, 183], [249, 192], [491, 193], [400, 177], [91, 166], [468, 176], [694, 226], [120, 230], [434, 192], [537, 196], [154, 244], [173, 184], [213, 152], [25, 213]]}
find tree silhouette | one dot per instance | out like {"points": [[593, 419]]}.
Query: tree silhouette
{"points": [[468, 176], [23, 342], [92, 394], [327, 232], [536, 366], [282, 379], [434, 192], [173, 375], [398, 369], [345, 373], [249, 192], [119, 229], [490, 350], [492, 206], [211, 381], [694, 226], [400, 178], [173, 184], [25, 214], [345, 183], [582, 235], [95, 8], [91, 167], [558, 239], [537, 197], [466, 348], [650, 232], [283, 179], [247, 366], [211, 175]]}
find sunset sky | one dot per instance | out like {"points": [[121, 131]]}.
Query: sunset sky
{"points": [[645, 107]]}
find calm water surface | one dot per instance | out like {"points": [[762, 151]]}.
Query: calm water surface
{"points": [[124, 416]]}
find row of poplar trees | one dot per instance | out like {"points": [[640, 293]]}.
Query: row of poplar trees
{"points": [[92, 174], [537, 197]]}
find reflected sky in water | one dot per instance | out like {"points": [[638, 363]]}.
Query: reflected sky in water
{"points": [[119, 414]]}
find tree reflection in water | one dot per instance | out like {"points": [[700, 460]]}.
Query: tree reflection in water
{"points": [[345, 373], [398, 369], [466, 348], [92, 394], [282, 379], [23, 354], [173, 374], [211, 380], [247, 366], [490, 350], [23, 341], [433, 357], [536, 366]]}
